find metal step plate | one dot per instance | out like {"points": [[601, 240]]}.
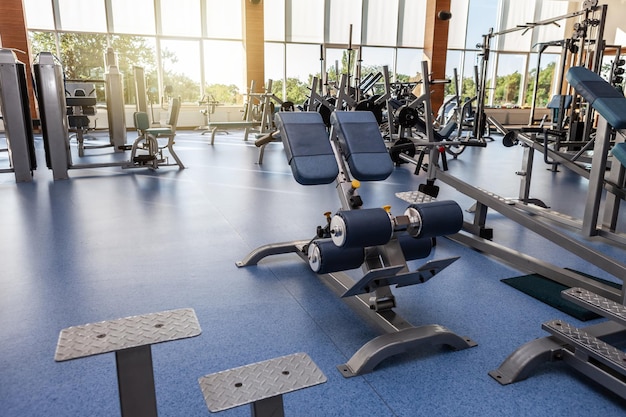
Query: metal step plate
{"points": [[592, 346], [415, 197], [110, 336], [596, 303], [259, 381]]}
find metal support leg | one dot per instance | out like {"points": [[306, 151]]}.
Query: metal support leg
{"points": [[135, 379], [387, 345], [596, 178], [270, 407], [526, 173], [612, 204], [131, 339]]}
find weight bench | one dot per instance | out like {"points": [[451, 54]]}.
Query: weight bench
{"points": [[589, 350], [368, 238], [131, 339], [214, 126]]}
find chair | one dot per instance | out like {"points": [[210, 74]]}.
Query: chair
{"points": [[148, 139]]}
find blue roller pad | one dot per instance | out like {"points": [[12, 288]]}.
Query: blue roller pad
{"points": [[362, 145], [307, 146], [602, 96], [619, 152]]}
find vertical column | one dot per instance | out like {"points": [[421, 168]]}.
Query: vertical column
{"points": [[253, 42], [13, 35], [436, 46]]}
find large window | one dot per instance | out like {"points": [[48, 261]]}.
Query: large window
{"points": [[482, 16], [409, 62], [194, 47], [342, 15], [223, 19], [82, 15], [223, 70], [135, 16], [180, 66], [39, 14], [510, 78], [381, 23], [410, 20], [305, 21], [181, 18]]}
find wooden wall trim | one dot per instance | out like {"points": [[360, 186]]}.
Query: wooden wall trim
{"points": [[436, 46], [254, 43], [13, 35]]}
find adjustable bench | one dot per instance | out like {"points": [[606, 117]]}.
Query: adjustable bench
{"points": [[590, 349], [369, 238]]}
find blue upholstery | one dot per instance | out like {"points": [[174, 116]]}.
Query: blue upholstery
{"points": [[362, 145], [555, 103], [619, 152], [307, 147], [603, 97]]}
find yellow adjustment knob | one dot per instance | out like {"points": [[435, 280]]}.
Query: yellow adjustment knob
{"points": [[387, 208], [327, 214], [356, 184]]}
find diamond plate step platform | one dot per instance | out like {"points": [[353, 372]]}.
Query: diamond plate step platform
{"points": [[113, 335], [415, 197], [596, 303], [588, 344], [260, 384], [131, 339]]}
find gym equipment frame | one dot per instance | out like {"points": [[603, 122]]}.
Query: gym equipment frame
{"points": [[372, 239], [589, 350], [48, 77], [15, 109]]}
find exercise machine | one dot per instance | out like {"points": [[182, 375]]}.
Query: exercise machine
{"points": [[418, 116], [368, 238], [590, 350], [146, 150], [48, 76], [15, 109]]}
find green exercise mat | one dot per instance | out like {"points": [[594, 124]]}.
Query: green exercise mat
{"points": [[549, 292]]}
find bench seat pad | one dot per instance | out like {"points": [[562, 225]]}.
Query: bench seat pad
{"points": [[601, 95], [307, 146], [362, 145]]}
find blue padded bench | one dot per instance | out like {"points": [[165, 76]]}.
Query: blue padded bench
{"points": [[601, 95], [362, 145], [619, 152], [308, 149]]}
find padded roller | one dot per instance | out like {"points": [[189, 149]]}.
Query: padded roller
{"points": [[325, 257], [414, 248], [361, 228], [438, 218]]}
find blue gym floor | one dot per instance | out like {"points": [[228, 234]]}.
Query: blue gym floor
{"points": [[110, 243]]}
